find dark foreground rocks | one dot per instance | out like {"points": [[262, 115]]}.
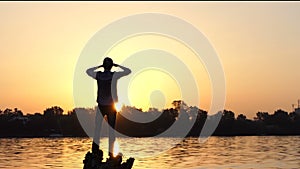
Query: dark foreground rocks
{"points": [[93, 160]]}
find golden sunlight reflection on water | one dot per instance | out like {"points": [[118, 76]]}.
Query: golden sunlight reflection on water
{"points": [[216, 152]]}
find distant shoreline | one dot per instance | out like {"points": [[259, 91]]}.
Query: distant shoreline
{"points": [[53, 123]]}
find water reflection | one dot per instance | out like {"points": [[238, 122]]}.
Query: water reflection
{"points": [[216, 152]]}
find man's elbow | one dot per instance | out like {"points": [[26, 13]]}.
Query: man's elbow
{"points": [[88, 72], [91, 74], [128, 71]]}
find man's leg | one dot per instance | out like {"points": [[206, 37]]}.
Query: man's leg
{"points": [[98, 124], [112, 122]]}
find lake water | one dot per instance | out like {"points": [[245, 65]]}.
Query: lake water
{"points": [[216, 152]]}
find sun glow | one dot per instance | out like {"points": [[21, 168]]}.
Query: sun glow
{"points": [[159, 85], [118, 106]]}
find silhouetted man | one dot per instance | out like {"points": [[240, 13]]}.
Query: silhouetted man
{"points": [[106, 98]]}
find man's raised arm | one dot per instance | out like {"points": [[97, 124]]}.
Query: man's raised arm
{"points": [[126, 71], [91, 71]]}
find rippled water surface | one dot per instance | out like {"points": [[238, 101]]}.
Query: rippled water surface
{"points": [[216, 152]]}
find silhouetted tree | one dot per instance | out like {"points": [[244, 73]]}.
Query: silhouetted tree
{"points": [[37, 114], [281, 117], [227, 123], [241, 117], [200, 120], [262, 116], [71, 112], [8, 112], [53, 111], [179, 104], [228, 115], [18, 112]]}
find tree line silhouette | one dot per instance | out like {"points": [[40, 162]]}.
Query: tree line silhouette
{"points": [[53, 122]]}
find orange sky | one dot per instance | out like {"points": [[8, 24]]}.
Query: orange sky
{"points": [[257, 42]]}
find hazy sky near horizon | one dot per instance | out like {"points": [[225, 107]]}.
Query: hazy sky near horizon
{"points": [[258, 44]]}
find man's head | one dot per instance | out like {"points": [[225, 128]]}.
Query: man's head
{"points": [[108, 63]]}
